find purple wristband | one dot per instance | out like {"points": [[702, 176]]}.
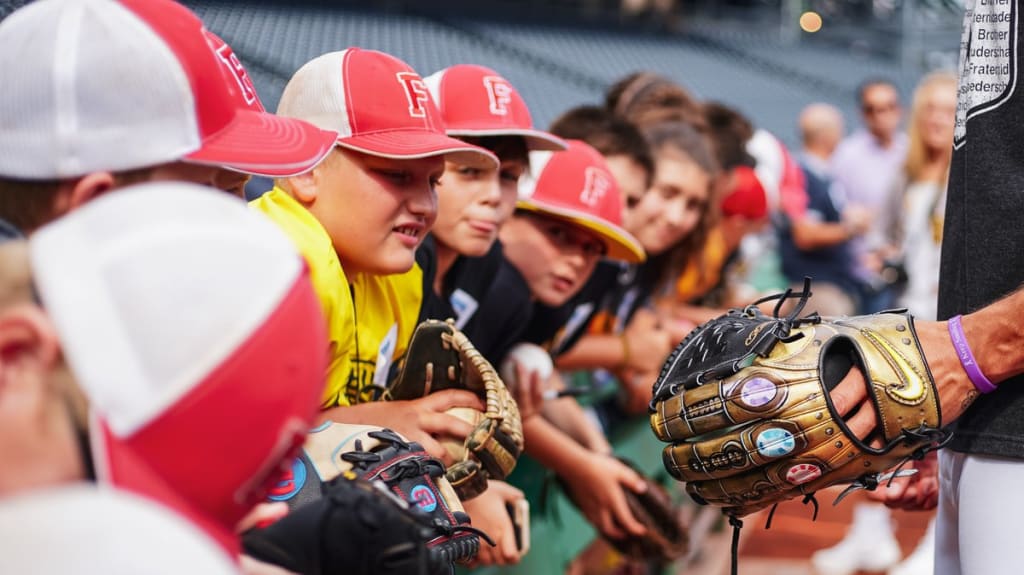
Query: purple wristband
{"points": [[963, 351]]}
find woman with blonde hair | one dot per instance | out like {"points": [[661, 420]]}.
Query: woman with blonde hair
{"points": [[919, 216], [923, 186]]}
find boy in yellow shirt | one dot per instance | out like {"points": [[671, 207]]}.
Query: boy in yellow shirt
{"points": [[358, 218]]}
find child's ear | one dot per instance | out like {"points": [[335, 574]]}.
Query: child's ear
{"points": [[90, 187], [27, 341], [303, 187]]}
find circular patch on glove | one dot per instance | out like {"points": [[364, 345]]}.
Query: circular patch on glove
{"points": [[802, 473], [290, 484], [775, 442], [758, 392], [424, 498]]}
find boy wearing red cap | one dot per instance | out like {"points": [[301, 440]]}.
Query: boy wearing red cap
{"points": [[184, 108], [198, 414], [461, 256], [358, 219], [568, 217]]}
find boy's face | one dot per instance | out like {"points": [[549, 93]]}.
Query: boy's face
{"points": [[633, 180], [376, 210], [673, 206], [473, 204], [555, 257]]}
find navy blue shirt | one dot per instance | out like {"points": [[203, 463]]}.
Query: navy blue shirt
{"points": [[833, 264]]}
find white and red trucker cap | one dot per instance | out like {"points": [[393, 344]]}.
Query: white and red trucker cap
{"points": [[576, 186], [476, 101], [377, 104], [191, 326], [90, 529], [100, 85]]}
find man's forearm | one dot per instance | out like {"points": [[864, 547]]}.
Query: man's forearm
{"points": [[995, 334]]}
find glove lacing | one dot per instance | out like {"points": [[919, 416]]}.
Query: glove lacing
{"points": [[406, 468]]}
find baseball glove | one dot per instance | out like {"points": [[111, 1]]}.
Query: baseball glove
{"points": [[357, 527], [442, 357], [744, 403], [667, 539], [375, 454]]}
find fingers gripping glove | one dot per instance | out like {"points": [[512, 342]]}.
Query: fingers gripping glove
{"points": [[744, 404], [442, 357], [375, 454], [667, 539], [358, 527]]}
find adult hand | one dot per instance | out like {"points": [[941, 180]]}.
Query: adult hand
{"points": [[919, 492], [955, 390]]}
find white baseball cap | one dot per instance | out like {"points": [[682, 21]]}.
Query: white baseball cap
{"points": [[377, 104], [191, 326], [91, 530], [99, 85]]}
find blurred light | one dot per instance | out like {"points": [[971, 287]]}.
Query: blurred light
{"points": [[810, 21]]}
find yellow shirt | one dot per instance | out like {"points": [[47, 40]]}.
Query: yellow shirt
{"points": [[370, 319], [387, 310]]}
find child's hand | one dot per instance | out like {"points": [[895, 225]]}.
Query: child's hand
{"points": [[421, 420], [528, 391], [597, 487], [647, 342], [489, 513]]}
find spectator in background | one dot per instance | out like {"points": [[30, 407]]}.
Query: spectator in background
{"points": [[921, 190], [865, 165], [920, 199], [701, 295], [817, 244], [646, 99], [717, 276]]}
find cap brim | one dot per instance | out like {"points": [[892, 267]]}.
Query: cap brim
{"points": [[536, 140], [621, 244], [263, 144], [118, 465], [413, 144]]}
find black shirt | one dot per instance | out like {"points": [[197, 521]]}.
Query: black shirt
{"points": [[463, 288], [983, 243], [486, 296]]}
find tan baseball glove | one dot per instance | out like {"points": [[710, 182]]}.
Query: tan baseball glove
{"points": [[442, 357]]}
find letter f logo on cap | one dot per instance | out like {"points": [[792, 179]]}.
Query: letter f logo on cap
{"points": [[595, 186], [415, 92], [499, 93], [233, 65]]}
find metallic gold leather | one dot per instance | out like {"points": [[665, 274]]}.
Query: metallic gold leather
{"points": [[718, 434]]}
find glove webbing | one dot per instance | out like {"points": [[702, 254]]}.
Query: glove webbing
{"points": [[413, 468]]}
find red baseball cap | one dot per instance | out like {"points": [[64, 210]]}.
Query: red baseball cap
{"points": [[100, 85], [234, 128], [198, 398], [747, 197], [575, 185], [377, 104], [476, 101]]}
